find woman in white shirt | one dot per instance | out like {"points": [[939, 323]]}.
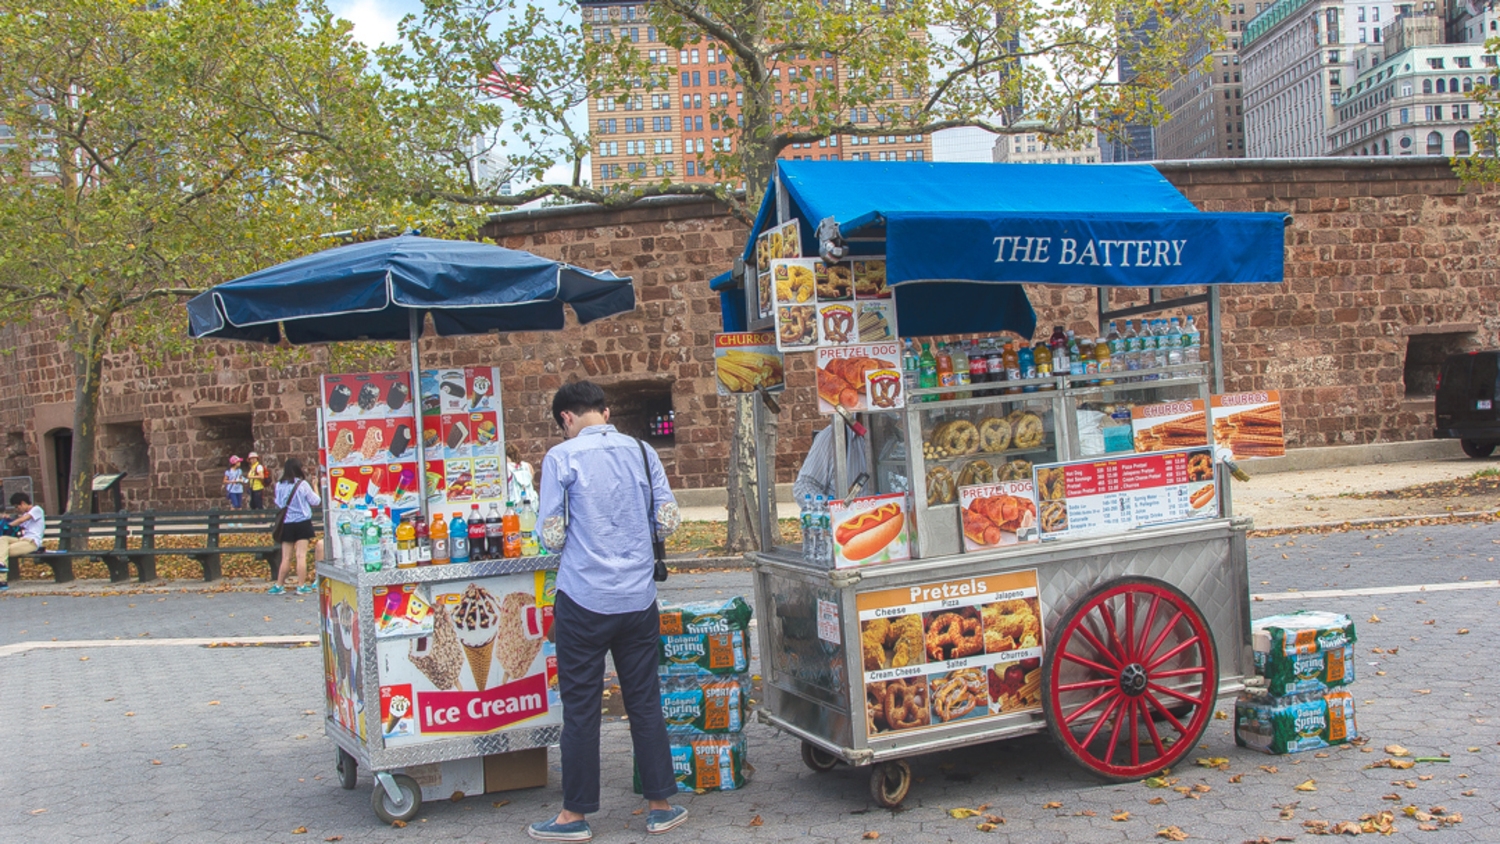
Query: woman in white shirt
{"points": [[520, 478], [295, 492]]}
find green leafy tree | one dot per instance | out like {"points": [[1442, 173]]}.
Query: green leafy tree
{"points": [[153, 150], [1482, 166]]}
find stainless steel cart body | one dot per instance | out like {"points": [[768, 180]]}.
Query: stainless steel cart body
{"points": [[407, 773]]}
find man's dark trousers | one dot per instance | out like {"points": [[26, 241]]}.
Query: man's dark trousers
{"points": [[633, 639]]}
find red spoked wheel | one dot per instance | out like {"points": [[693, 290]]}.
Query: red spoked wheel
{"points": [[1131, 678]]}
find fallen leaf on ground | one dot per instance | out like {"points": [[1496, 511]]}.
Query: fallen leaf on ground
{"points": [[1470, 793], [1270, 769], [334, 838], [130, 715], [156, 761], [756, 821], [639, 812], [399, 824], [498, 803], [1172, 833], [961, 813], [1422, 691], [1289, 809], [301, 830], [1213, 762], [1463, 630], [1374, 619], [996, 819], [1221, 715], [1053, 805], [1156, 801], [1397, 750], [1086, 813], [1308, 785], [1236, 777], [1120, 817], [985, 827], [871, 835], [213, 703], [38, 811]]}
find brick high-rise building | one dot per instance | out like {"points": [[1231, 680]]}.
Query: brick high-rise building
{"points": [[1206, 106], [673, 132]]}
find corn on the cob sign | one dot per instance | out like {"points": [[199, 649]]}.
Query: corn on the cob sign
{"points": [[746, 361]]}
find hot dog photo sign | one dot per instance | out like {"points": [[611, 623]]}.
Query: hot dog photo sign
{"points": [[870, 530]]}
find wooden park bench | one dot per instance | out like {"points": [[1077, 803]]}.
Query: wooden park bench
{"points": [[135, 536]]}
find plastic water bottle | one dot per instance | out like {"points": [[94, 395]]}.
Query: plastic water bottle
{"points": [[1192, 350], [371, 550], [1174, 344], [345, 549], [825, 531], [458, 539], [910, 368]]}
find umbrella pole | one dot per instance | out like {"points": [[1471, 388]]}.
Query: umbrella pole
{"points": [[414, 324]]}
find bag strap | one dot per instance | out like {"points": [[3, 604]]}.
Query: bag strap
{"points": [[650, 492]]}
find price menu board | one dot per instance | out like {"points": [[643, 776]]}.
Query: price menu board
{"points": [[1113, 496]]}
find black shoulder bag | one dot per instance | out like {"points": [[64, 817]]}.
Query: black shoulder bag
{"points": [[658, 546]]}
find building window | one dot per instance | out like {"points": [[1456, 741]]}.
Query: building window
{"points": [[1434, 143], [1405, 115], [1425, 354], [1427, 86], [1460, 142], [1435, 64]]}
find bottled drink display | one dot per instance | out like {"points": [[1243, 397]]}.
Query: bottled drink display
{"points": [[530, 544], [406, 544], [458, 531], [477, 543], [423, 540], [441, 552], [911, 366], [370, 542], [927, 369], [510, 541], [494, 534]]}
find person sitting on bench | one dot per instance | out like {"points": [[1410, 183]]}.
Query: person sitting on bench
{"points": [[32, 522]]}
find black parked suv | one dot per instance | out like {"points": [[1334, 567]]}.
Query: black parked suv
{"points": [[1466, 402]]}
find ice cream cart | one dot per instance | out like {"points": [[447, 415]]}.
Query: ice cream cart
{"points": [[1049, 552], [438, 678]]}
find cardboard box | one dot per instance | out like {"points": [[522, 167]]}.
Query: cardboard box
{"points": [[516, 770]]}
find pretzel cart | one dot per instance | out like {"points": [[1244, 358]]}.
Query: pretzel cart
{"points": [[1034, 554]]}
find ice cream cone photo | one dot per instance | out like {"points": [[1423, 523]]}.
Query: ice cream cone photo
{"points": [[476, 619]]}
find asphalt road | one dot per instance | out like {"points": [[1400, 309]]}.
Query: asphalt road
{"points": [[116, 735]]}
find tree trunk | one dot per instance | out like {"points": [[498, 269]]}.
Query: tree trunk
{"points": [[88, 368], [740, 484]]}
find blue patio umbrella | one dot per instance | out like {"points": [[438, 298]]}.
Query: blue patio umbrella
{"points": [[385, 289]]}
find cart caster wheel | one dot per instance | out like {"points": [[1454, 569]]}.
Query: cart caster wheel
{"points": [[390, 810], [1130, 679], [817, 758], [889, 783], [348, 770]]}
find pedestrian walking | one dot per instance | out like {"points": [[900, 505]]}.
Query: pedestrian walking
{"points": [[32, 523], [234, 483], [593, 484], [257, 475], [295, 492]]}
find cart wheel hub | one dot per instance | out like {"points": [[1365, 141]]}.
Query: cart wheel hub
{"points": [[1133, 679]]}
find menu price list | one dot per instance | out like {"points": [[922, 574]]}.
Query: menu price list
{"points": [[1113, 496]]}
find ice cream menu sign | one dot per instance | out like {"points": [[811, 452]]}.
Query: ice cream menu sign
{"points": [[1114, 496]]}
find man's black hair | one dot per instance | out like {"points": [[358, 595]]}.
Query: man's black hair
{"points": [[577, 398], [20, 498]]}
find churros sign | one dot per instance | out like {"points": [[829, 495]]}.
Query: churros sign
{"points": [[1249, 423], [1162, 427]]}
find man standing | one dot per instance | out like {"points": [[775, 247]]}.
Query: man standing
{"points": [[32, 523], [596, 489], [257, 476]]}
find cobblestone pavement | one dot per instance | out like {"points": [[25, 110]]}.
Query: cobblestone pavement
{"points": [[196, 744]]}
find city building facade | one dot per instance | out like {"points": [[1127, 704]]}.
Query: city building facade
{"points": [[1298, 57], [672, 130], [1035, 148], [1416, 101], [1205, 106]]}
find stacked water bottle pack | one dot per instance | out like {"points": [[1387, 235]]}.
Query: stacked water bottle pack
{"points": [[704, 665], [1304, 660]]}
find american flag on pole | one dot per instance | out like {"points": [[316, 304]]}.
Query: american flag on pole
{"points": [[498, 83]]}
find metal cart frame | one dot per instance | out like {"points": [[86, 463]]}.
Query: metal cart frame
{"points": [[396, 794]]}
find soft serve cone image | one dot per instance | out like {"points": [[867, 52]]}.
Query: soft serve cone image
{"points": [[477, 620], [398, 709]]}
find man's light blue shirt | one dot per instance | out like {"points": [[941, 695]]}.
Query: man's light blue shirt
{"points": [[599, 484]]}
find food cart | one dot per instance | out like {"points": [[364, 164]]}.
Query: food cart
{"points": [[1004, 572], [437, 678]]}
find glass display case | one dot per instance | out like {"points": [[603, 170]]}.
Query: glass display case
{"points": [[951, 437]]}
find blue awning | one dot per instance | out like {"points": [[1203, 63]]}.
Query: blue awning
{"points": [[960, 238]]}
